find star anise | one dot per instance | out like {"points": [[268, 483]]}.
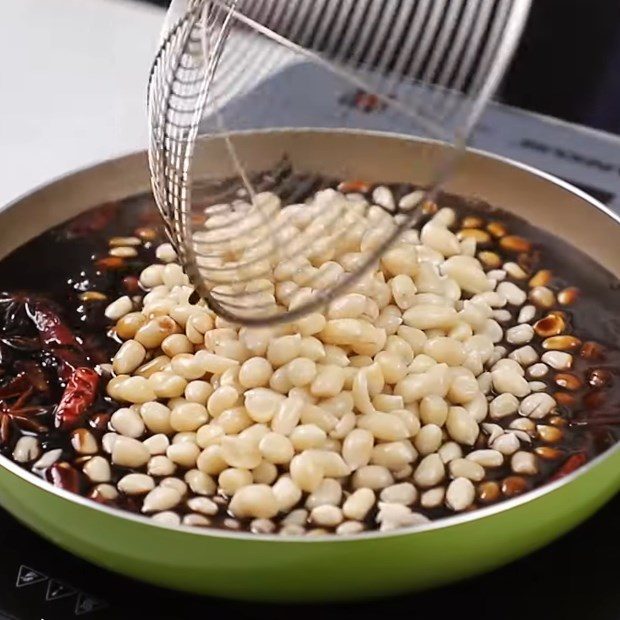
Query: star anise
{"points": [[19, 412]]}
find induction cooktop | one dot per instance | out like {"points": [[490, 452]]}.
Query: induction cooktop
{"points": [[577, 577]]}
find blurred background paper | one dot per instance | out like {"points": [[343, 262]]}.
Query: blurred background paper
{"points": [[73, 85]]}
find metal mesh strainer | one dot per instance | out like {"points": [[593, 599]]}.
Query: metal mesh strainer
{"points": [[434, 62]]}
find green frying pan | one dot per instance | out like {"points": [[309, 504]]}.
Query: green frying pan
{"points": [[272, 568]]}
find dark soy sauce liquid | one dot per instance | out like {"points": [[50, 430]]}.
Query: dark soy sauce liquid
{"points": [[72, 258]]}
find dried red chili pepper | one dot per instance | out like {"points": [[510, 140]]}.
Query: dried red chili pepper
{"points": [[110, 263], [570, 465], [78, 396], [56, 336], [94, 220], [52, 330]]}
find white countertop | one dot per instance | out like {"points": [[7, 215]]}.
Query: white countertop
{"points": [[72, 85]]}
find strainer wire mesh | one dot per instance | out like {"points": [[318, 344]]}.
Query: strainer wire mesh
{"points": [[219, 50]]}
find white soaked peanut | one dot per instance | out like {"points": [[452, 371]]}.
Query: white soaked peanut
{"points": [[288, 415], [330, 461], [329, 492], [119, 308], [503, 405], [184, 454], [506, 443], [97, 468], [128, 422], [129, 452], [211, 461], [461, 426], [350, 306], [130, 355], [328, 381], [198, 392], [393, 366], [161, 498], [301, 371], [388, 402], [326, 515], [507, 380], [359, 503], [166, 384], [430, 317], [307, 436], [524, 463], [262, 403], [202, 505], [450, 451], [224, 397], [447, 350], [463, 387], [430, 471], [460, 494], [136, 484], [187, 366], [135, 390], [400, 259], [486, 458], [428, 439], [403, 291], [537, 405], [394, 455], [433, 410], [265, 473], [188, 416], [402, 493], [234, 478], [156, 417], [464, 468], [255, 372], [357, 448], [276, 448], [467, 273], [306, 471], [176, 344], [312, 348], [199, 482], [240, 453], [283, 350], [372, 477], [287, 493]]}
